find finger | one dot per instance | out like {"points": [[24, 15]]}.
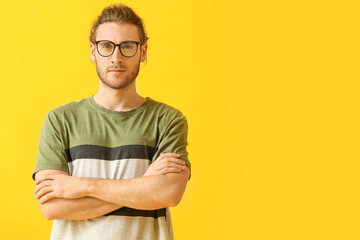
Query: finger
{"points": [[43, 178], [40, 179], [172, 164], [168, 155], [37, 189], [42, 192], [40, 186], [173, 160], [167, 162], [47, 197], [167, 170]]}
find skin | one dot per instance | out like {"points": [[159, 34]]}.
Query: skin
{"points": [[117, 92], [148, 192], [65, 197]]}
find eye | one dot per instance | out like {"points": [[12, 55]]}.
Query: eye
{"points": [[106, 45], [129, 45], [126, 46]]}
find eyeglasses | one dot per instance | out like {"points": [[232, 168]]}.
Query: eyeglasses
{"points": [[127, 48]]}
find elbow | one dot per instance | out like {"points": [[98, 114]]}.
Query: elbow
{"points": [[173, 199], [174, 202], [174, 193], [172, 190], [164, 199], [48, 216], [49, 212]]}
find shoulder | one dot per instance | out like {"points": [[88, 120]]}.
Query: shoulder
{"points": [[165, 110], [56, 115], [167, 116], [69, 107]]}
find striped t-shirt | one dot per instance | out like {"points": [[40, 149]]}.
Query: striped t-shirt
{"points": [[88, 140]]}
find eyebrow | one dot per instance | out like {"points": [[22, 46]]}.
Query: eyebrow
{"points": [[120, 42]]}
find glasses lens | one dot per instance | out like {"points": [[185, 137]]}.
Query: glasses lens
{"points": [[105, 48], [128, 48]]}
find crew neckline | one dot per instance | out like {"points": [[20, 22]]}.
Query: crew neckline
{"points": [[94, 104]]}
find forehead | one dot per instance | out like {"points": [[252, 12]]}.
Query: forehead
{"points": [[117, 32]]}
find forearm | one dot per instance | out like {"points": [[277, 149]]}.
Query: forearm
{"points": [[152, 191], [76, 209], [147, 192]]}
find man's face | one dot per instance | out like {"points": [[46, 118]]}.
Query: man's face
{"points": [[128, 66]]}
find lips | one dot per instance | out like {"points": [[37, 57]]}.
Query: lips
{"points": [[117, 70]]}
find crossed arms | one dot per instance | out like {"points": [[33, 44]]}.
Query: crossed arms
{"points": [[65, 197]]}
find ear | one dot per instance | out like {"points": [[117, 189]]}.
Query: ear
{"points": [[92, 52], [144, 52]]}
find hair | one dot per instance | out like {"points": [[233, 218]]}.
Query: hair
{"points": [[119, 13]]}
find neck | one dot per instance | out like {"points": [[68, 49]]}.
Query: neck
{"points": [[118, 99]]}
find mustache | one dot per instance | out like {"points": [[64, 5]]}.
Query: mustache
{"points": [[115, 68]]}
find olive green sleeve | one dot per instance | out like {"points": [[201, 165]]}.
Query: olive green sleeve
{"points": [[51, 153], [173, 139]]}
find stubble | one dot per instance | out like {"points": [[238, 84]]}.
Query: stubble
{"points": [[117, 82]]}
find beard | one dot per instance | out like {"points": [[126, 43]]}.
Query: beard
{"points": [[118, 82]]}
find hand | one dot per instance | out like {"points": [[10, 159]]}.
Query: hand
{"points": [[166, 163], [58, 186]]}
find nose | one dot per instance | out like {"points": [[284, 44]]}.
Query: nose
{"points": [[116, 56]]}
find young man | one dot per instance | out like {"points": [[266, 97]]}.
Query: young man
{"points": [[109, 166]]}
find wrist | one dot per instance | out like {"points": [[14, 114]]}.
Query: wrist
{"points": [[87, 186]]}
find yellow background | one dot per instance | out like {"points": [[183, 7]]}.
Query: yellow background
{"points": [[270, 90]]}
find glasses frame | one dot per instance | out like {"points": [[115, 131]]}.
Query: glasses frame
{"points": [[137, 47]]}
